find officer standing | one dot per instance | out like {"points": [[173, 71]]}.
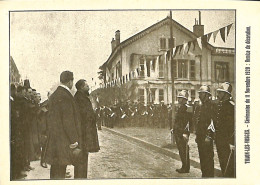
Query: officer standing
{"points": [[203, 114], [223, 117], [181, 132]]}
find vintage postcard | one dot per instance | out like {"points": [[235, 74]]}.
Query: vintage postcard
{"points": [[134, 92]]}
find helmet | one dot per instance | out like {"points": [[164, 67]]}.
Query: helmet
{"points": [[183, 94], [204, 88], [225, 87]]}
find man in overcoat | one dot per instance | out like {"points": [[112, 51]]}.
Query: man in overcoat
{"points": [[64, 132], [88, 125]]}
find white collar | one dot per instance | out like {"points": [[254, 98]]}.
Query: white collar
{"points": [[65, 87]]}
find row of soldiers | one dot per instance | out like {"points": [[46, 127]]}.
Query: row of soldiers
{"points": [[134, 114], [25, 117]]}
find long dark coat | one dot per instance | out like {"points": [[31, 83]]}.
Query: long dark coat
{"points": [[63, 127], [88, 122]]}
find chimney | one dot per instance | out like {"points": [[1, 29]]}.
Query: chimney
{"points": [[113, 44], [117, 37], [198, 29]]}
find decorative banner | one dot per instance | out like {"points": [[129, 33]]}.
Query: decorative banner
{"points": [[228, 28], [208, 36], [189, 45], [215, 34], [199, 42], [222, 33], [176, 51], [194, 44], [180, 48], [184, 47], [173, 51]]}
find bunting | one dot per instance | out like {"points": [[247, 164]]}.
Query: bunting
{"points": [[180, 48], [189, 45], [184, 47], [215, 34], [208, 36], [222, 33], [173, 52], [228, 28], [199, 42], [176, 51]]}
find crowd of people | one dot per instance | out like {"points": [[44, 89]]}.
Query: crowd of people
{"points": [[25, 116], [59, 131], [63, 129]]}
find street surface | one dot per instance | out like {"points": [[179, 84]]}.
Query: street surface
{"points": [[120, 158]]}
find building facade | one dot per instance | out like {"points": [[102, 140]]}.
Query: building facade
{"points": [[15, 76], [146, 51]]}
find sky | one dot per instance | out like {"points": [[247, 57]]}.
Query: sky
{"points": [[43, 44]]}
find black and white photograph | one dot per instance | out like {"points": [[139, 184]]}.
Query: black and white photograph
{"points": [[122, 94]]}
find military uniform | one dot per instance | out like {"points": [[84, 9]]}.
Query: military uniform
{"points": [[224, 125], [180, 128], [203, 114]]}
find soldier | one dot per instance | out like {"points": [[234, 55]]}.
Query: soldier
{"points": [[203, 114], [181, 132], [223, 117]]}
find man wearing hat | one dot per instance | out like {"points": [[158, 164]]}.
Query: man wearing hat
{"points": [[181, 132], [203, 117], [223, 117]]}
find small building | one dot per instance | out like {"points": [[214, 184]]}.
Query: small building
{"points": [[146, 51]]}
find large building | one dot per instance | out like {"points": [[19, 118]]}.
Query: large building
{"points": [[146, 51]]}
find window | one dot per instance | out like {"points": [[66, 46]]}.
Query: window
{"points": [[182, 68], [161, 95], [141, 95], [162, 43], [171, 42], [142, 67], [161, 73], [221, 69], [192, 69]]}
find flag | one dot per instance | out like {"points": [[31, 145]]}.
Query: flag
{"points": [[180, 48], [173, 52], [208, 36], [228, 28], [176, 51], [194, 44], [184, 47], [222, 34], [199, 42], [215, 34], [189, 45]]}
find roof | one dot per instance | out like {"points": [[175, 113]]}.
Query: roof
{"points": [[145, 32]]}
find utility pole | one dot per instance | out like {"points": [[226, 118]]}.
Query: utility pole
{"points": [[172, 78]]}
